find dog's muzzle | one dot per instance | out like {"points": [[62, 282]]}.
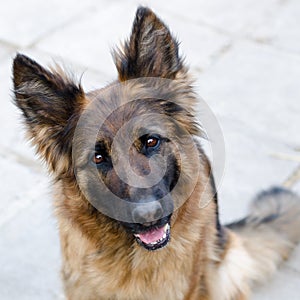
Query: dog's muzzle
{"points": [[151, 222], [147, 213], [151, 235]]}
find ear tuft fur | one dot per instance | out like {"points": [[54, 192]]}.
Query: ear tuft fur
{"points": [[151, 50], [43, 96], [51, 104]]}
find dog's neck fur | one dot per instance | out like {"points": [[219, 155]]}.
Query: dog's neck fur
{"points": [[114, 260]]}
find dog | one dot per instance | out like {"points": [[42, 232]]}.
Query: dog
{"points": [[135, 197]]}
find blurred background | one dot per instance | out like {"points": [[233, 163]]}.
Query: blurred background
{"points": [[245, 57]]}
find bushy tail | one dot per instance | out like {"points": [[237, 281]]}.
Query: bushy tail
{"points": [[272, 228], [258, 243]]}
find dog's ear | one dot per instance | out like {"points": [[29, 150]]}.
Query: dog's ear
{"points": [[151, 50], [51, 104]]}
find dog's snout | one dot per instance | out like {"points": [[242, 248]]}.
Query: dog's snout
{"points": [[147, 212]]}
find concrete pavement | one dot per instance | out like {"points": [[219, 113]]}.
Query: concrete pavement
{"points": [[245, 56]]}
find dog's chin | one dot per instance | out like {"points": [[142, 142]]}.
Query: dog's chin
{"points": [[151, 237]]}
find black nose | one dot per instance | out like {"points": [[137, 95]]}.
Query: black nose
{"points": [[147, 212]]}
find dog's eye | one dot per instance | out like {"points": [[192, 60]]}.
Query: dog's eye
{"points": [[152, 142], [98, 158]]}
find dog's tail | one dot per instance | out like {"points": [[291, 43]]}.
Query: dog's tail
{"points": [[258, 243]]}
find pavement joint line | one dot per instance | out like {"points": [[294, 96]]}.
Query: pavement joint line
{"points": [[222, 31], [293, 178], [8, 153], [294, 54], [293, 269], [9, 45], [68, 63], [28, 199], [260, 40], [215, 57], [55, 29], [269, 43], [79, 16], [221, 52], [284, 156], [201, 23], [238, 36], [241, 122]]}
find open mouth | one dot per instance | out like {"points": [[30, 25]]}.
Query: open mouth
{"points": [[154, 238]]}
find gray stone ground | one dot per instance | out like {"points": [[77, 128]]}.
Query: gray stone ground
{"points": [[245, 56]]}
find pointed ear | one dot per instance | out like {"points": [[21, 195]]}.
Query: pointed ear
{"points": [[151, 50], [50, 103]]}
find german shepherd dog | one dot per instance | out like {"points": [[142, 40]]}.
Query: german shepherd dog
{"points": [[135, 197]]}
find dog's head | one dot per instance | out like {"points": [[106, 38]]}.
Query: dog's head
{"points": [[129, 146]]}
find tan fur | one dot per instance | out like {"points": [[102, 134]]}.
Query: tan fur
{"points": [[103, 261], [108, 266]]}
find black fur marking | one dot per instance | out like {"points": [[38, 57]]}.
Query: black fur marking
{"points": [[151, 50], [275, 212], [274, 191], [45, 98], [49, 101]]}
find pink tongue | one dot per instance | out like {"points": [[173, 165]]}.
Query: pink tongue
{"points": [[152, 236]]}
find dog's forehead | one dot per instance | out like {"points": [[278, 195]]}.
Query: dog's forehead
{"points": [[127, 107], [131, 121]]}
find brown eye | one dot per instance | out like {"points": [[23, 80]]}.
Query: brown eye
{"points": [[152, 142], [98, 158]]}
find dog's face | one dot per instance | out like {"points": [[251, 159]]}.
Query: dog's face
{"points": [[129, 147], [135, 159], [134, 166]]}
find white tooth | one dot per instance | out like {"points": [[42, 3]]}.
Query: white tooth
{"points": [[167, 227], [164, 236]]}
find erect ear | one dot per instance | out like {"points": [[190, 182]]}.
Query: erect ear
{"points": [[51, 104], [151, 50]]}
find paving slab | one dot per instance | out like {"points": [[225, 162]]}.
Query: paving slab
{"points": [[245, 56], [242, 180], [282, 30], [13, 142], [257, 85], [5, 49], [103, 36], [89, 78], [17, 182], [30, 256], [284, 285], [230, 16], [23, 23], [92, 37], [199, 45]]}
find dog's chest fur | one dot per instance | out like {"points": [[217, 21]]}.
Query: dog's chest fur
{"points": [[108, 265]]}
